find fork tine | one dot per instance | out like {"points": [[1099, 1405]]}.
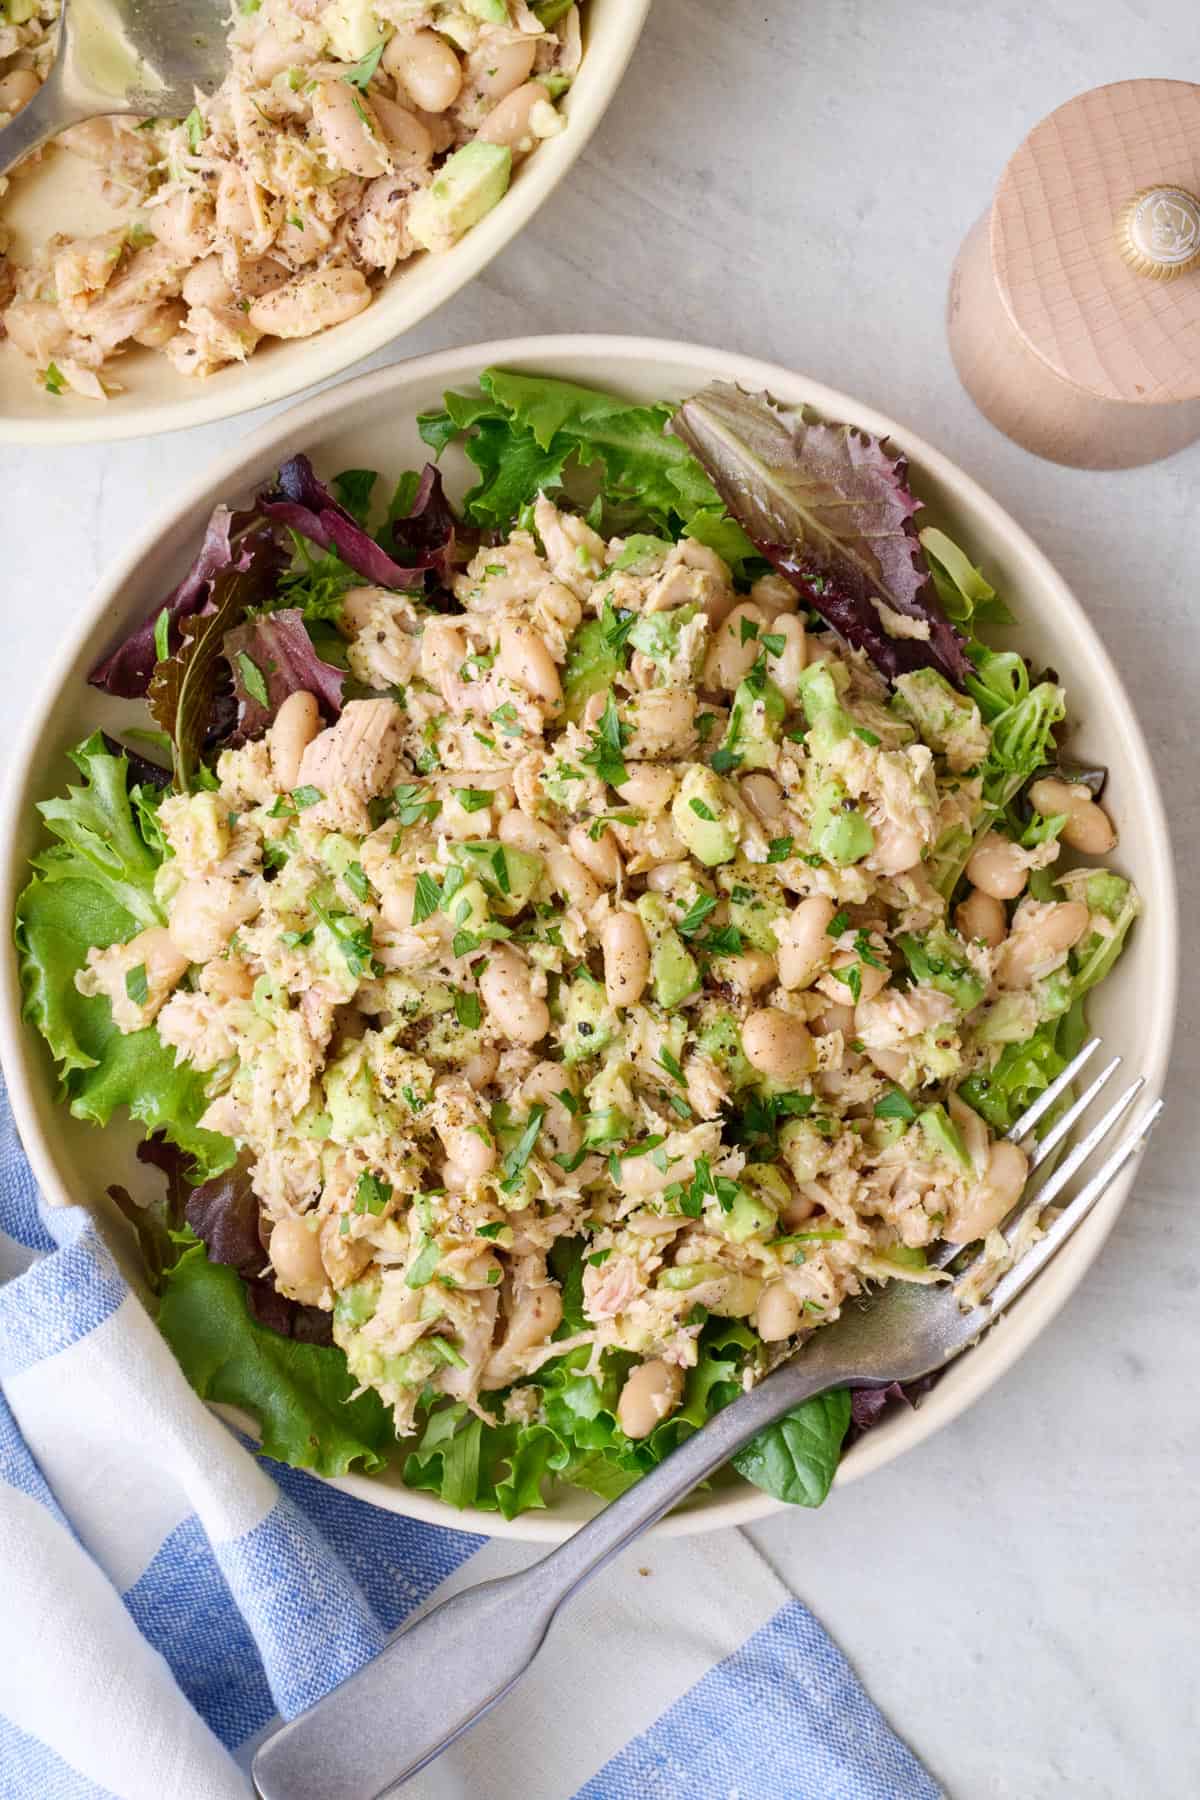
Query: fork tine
{"points": [[1058, 1131], [1018, 1278], [1030, 1117]]}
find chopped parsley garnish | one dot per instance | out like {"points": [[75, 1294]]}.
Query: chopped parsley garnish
{"points": [[372, 1194], [506, 718], [296, 940], [137, 986], [725, 940], [522, 1150], [608, 741], [670, 1062], [568, 1100], [852, 978], [774, 643], [473, 800], [53, 379], [162, 635], [696, 914], [351, 935], [427, 897], [304, 797], [616, 625], [492, 1230], [779, 849], [722, 762], [748, 630], [840, 922], [868, 737], [704, 726], [468, 1011], [194, 126], [408, 804], [597, 1258], [356, 880], [702, 810]]}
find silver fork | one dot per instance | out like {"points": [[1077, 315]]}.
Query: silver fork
{"points": [[144, 57], [441, 1674]]}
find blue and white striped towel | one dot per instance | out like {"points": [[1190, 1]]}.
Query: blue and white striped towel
{"points": [[165, 1596]]}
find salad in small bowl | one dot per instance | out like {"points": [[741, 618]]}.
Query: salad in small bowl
{"points": [[567, 916]]}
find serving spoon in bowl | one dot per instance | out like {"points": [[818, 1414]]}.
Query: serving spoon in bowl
{"points": [[442, 1673], [141, 57]]}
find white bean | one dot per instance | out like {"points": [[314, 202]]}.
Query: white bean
{"points": [[1088, 827], [626, 958], [505, 986], [495, 68], [349, 127], [206, 284], [396, 899], [777, 1043], [651, 1392], [510, 120], [663, 723], [749, 970], [1036, 941], [425, 67], [402, 129], [648, 787], [997, 867], [599, 856], [870, 979], [184, 223], [312, 302], [562, 1129], [535, 1314], [295, 726], [981, 917], [162, 325], [786, 669], [272, 54], [775, 595], [524, 659], [805, 947], [992, 1198], [763, 796], [778, 1312], [295, 1252], [462, 1126], [733, 651], [443, 649], [17, 89], [206, 912]]}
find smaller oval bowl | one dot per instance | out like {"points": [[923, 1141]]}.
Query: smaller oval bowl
{"points": [[370, 423], [156, 399]]}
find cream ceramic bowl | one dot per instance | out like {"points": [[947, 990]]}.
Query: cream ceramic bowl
{"points": [[60, 196], [369, 423]]}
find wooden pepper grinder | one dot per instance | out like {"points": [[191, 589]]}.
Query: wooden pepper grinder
{"points": [[1074, 311]]}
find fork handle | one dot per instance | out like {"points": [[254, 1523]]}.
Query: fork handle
{"points": [[50, 111], [442, 1673]]}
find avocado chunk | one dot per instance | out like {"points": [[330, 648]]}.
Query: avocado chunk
{"points": [[352, 29], [943, 1138], [937, 960], [828, 721], [350, 1099], [720, 1038], [755, 721], [492, 12], [508, 876], [755, 906], [838, 830], [466, 187], [948, 721], [356, 1304], [673, 969], [762, 1190], [704, 819], [588, 1025], [591, 667]]}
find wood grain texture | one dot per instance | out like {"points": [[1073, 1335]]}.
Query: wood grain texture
{"points": [[1059, 343]]}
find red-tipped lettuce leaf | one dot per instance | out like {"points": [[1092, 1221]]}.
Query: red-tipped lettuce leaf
{"points": [[127, 670], [304, 504], [427, 535], [830, 508], [224, 1215], [279, 648], [188, 691]]}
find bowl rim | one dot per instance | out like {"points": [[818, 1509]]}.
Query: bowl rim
{"points": [[387, 319], [978, 1372]]}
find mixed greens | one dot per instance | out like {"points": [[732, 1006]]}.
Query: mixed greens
{"points": [[670, 684]]}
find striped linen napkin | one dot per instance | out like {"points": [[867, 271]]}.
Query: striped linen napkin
{"points": [[166, 1596]]}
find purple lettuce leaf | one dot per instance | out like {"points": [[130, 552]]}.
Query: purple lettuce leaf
{"points": [[127, 670], [304, 504], [830, 508], [224, 1215], [869, 1405], [428, 535], [273, 654]]}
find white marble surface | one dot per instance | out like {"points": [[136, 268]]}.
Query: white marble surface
{"points": [[791, 178]]}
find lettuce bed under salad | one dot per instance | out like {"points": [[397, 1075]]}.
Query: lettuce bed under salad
{"points": [[254, 620]]}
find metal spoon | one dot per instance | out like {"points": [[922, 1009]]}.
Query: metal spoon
{"points": [[144, 57]]}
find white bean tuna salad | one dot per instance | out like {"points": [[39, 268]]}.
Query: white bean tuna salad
{"points": [[595, 968], [346, 138]]}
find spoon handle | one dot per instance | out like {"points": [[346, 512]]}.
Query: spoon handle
{"points": [[444, 1672]]}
